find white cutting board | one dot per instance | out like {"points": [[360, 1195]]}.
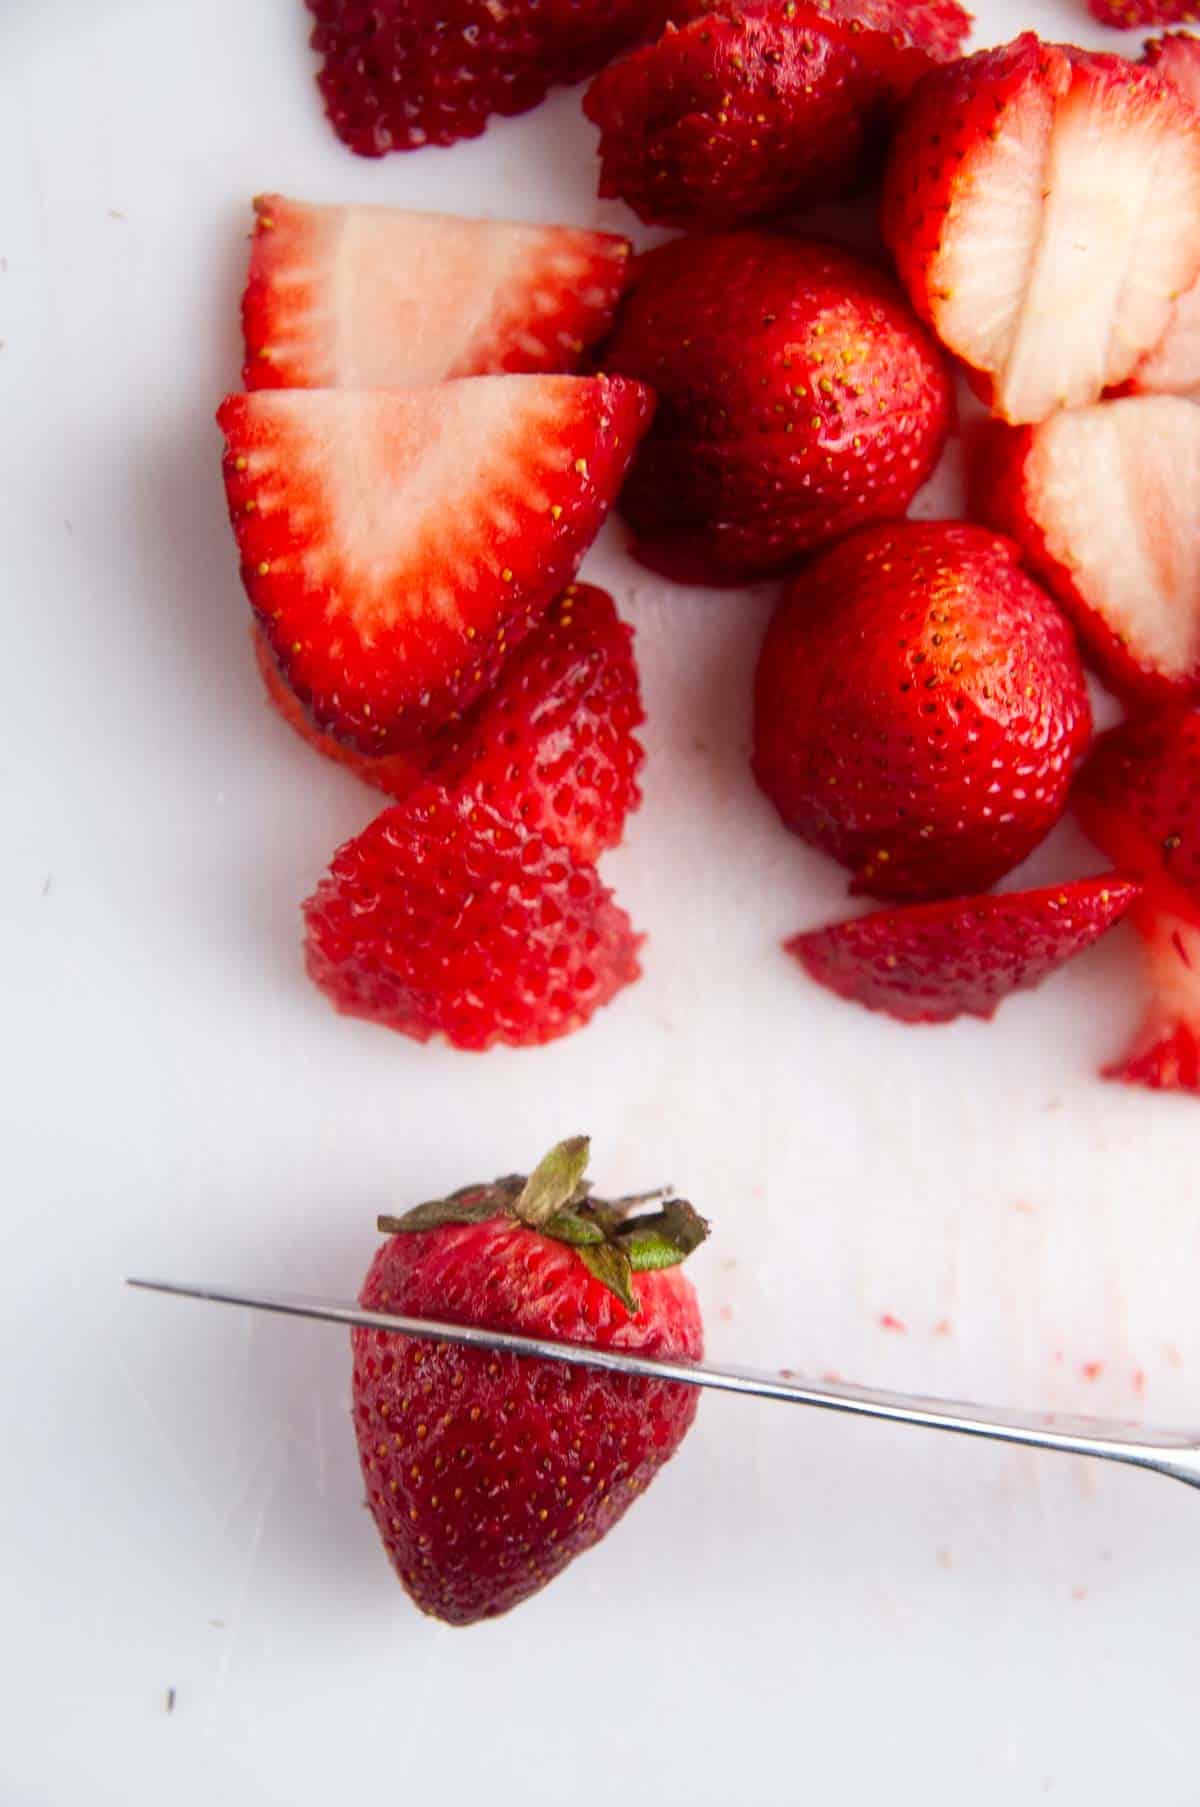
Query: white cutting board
{"points": [[802, 1608]]}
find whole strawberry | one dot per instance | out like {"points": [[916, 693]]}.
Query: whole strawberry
{"points": [[744, 108], [920, 709], [798, 399], [488, 1473]]}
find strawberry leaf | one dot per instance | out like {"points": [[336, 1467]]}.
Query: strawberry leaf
{"points": [[577, 1228], [610, 1265], [473, 1204], [663, 1240], [554, 1182]]}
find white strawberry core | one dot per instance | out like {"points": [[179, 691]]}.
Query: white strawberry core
{"points": [[1075, 226], [1115, 489]]}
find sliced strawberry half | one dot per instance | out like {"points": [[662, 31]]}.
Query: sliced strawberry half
{"points": [[552, 745], [1128, 15], [1105, 505], [372, 297], [1138, 797], [1036, 185], [444, 917], [398, 544], [399, 74], [1165, 1054], [934, 962], [1173, 366]]}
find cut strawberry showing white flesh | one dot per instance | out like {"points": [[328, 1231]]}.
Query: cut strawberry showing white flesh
{"points": [[1105, 505], [1043, 207], [1173, 366], [931, 963], [1165, 1054], [372, 297], [397, 544]]}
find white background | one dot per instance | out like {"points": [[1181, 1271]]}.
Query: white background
{"points": [[801, 1608]]}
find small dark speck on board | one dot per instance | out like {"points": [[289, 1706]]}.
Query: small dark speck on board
{"points": [[170, 1700], [47, 884]]}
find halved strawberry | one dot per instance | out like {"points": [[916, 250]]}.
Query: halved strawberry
{"points": [[749, 107], [397, 544], [1043, 207], [1173, 365], [399, 74], [1128, 15], [1105, 505], [1165, 1054], [934, 962], [372, 297], [552, 745], [443, 917], [1138, 797]]}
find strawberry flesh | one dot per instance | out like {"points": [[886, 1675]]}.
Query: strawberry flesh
{"points": [[932, 963], [552, 744], [444, 917], [1105, 505], [488, 1473], [374, 298], [1165, 1054], [1034, 184], [397, 545], [1173, 365], [920, 709], [399, 74], [798, 399], [739, 111]]}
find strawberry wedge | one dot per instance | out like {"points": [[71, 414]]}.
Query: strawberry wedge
{"points": [[1105, 505], [1173, 365], [1138, 797], [397, 544], [934, 962], [1043, 207], [372, 297]]}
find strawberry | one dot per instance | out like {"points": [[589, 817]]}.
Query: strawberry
{"points": [[1128, 15], [487, 1473], [1105, 505], [373, 298], [399, 74], [394, 773], [1173, 364], [1037, 184], [552, 744], [931, 963], [1138, 797], [919, 709], [444, 917], [397, 544], [799, 399], [745, 109]]}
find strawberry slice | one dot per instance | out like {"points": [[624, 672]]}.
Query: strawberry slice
{"points": [[1037, 184], [1105, 505], [1173, 365], [372, 298], [1128, 15], [1165, 1054], [743, 110], [398, 544], [552, 745], [931, 963], [399, 74], [1138, 797], [443, 917]]}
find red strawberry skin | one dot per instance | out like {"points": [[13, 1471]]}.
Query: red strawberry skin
{"points": [[374, 297], [399, 74], [1138, 797], [488, 1474], [552, 745], [932, 963], [397, 545], [920, 709], [443, 917], [1128, 15], [798, 399], [737, 112], [1165, 1055], [1176, 57]]}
